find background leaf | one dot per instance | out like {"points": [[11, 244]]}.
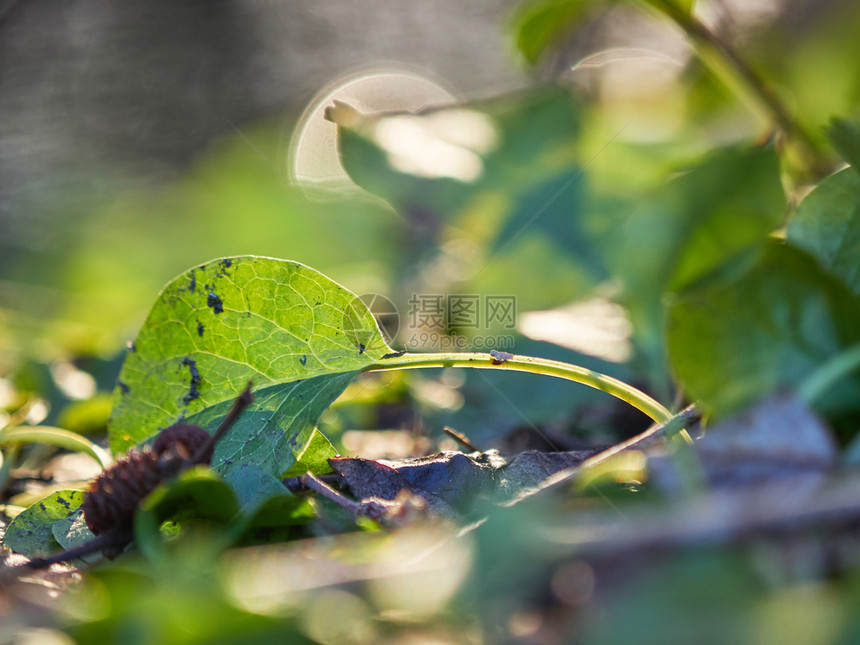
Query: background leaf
{"points": [[676, 233], [538, 26], [31, 534], [765, 325], [238, 319], [827, 225], [253, 486], [516, 212], [196, 493], [845, 136]]}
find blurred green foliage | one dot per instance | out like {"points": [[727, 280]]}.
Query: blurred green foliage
{"points": [[661, 193]]}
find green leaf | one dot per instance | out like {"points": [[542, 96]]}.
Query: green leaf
{"points": [[297, 335], [315, 457], [845, 136], [72, 531], [274, 432], [253, 486], [197, 493], [31, 532], [279, 511], [541, 25], [723, 205], [736, 200], [265, 504], [763, 326], [827, 225], [246, 500]]}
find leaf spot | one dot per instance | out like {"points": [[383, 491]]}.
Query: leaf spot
{"points": [[193, 391], [225, 264], [215, 303]]}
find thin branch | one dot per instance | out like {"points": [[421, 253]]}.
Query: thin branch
{"points": [[460, 438]]}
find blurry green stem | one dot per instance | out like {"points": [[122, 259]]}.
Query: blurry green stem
{"points": [[725, 62], [55, 437], [616, 388]]}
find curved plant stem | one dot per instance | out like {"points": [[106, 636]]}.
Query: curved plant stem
{"points": [[616, 388], [55, 437]]}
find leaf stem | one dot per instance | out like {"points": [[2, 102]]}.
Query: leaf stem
{"points": [[56, 437], [727, 64], [499, 361]]}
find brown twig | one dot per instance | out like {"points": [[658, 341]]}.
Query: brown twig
{"points": [[460, 438], [321, 488]]}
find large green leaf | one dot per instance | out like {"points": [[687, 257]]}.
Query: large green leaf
{"points": [[724, 204], [276, 431], [297, 335], [827, 225], [766, 326]]}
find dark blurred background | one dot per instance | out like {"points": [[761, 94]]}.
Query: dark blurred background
{"points": [[99, 99], [98, 95]]}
